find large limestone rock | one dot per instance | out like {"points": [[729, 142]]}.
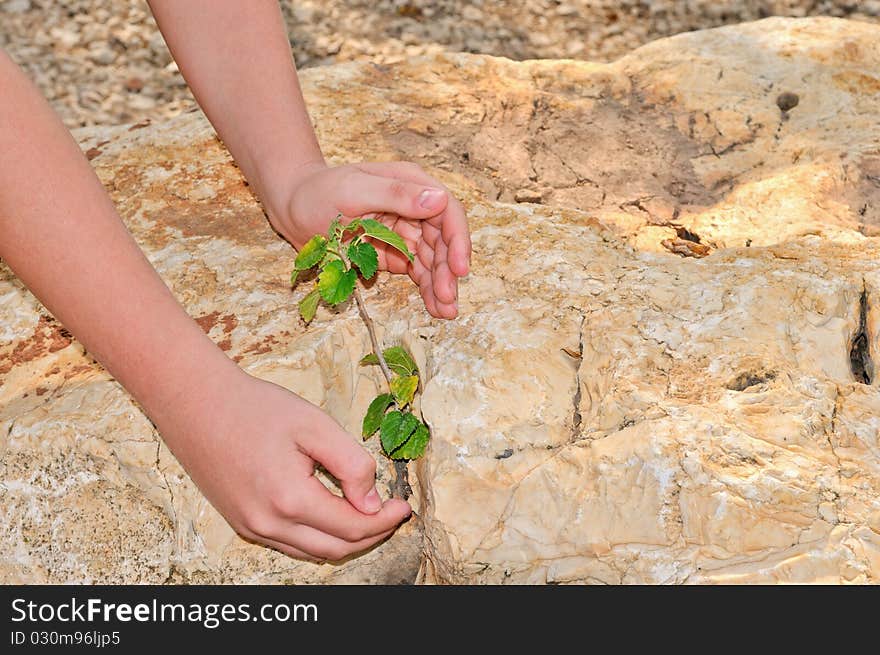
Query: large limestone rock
{"points": [[663, 371]]}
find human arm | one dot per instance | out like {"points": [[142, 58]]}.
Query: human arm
{"points": [[237, 60], [249, 445]]}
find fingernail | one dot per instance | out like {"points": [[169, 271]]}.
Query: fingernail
{"points": [[372, 502], [431, 197]]}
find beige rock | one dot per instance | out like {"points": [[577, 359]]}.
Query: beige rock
{"points": [[606, 409]]}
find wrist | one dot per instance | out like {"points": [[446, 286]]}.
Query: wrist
{"points": [[276, 187]]}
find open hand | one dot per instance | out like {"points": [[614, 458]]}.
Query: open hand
{"points": [[403, 197]]}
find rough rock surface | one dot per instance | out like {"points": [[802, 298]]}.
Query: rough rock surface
{"points": [[663, 371]]}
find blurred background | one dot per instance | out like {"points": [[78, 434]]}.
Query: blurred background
{"points": [[104, 61]]}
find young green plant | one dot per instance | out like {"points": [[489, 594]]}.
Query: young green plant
{"points": [[339, 257]]}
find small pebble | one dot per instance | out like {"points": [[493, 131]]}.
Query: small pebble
{"points": [[17, 6], [787, 101]]}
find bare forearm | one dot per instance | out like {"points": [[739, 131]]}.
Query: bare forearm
{"points": [[236, 58], [249, 445], [61, 235]]}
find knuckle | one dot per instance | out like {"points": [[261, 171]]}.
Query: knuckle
{"points": [[355, 533], [397, 188], [335, 552], [243, 531], [256, 525], [286, 504]]}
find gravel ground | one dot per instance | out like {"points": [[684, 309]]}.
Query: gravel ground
{"points": [[104, 61]]}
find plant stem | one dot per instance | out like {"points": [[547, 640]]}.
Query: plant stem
{"points": [[369, 323], [400, 487]]}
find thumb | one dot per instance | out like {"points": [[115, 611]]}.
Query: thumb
{"points": [[347, 461], [367, 193]]}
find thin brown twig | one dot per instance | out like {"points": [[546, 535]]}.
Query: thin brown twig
{"points": [[369, 323], [400, 487]]}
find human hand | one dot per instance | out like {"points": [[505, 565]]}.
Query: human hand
{"points": [[400, 195], [252, 446]]}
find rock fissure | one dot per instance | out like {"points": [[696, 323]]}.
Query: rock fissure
{"points": [[861, 362], [576, 414], [168, 487]]}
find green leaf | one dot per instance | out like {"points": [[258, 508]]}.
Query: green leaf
{"points": [[335, 229], [401, 360], [311, 253], [335, 283], [375, 229], [293, 275], [395, 429], [415, 445], [404, 388], [397, 358], [351, 227], [331, 256], [309, 305], [375, 412], [365, 257]]}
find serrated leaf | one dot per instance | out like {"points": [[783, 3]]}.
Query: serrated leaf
{"points": [[309, 305], [335, 283], [375, 412], [414, 447], [377, 230], [311, 253], [404, 388], [395, 429], [397, 358], [365, 257]]}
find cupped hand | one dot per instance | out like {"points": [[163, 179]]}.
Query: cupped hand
{"points": [[252, 447], [402, 196]]}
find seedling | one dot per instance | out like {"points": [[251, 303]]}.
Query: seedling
{"points": [[340, 257]]}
